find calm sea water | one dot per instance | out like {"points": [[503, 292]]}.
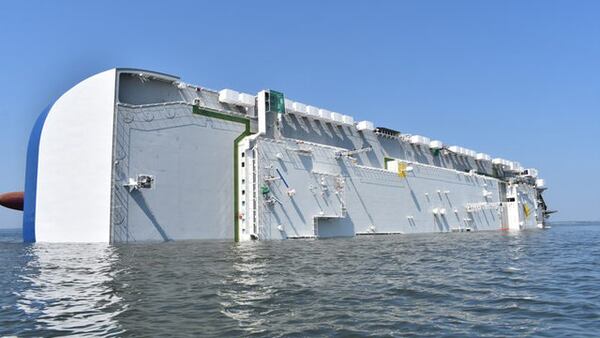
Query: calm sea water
{"points": [[534, 283]]}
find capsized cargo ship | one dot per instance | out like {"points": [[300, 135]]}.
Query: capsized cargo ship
{"points": [[131, 155]]}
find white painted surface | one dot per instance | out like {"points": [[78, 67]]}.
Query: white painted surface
{"points": [[74, 167], [261, 100], [229, 96], [540, 183], [337, 117], [516, 167], [418, 139], [289, 105], [471, 153], [246, 100], [483, 157], [532, 172], [365, 125], [299, 107], [313, 111], [347, 119], [325, 114], [436, 144], [501, 161], [376, 200], [392, 166]]}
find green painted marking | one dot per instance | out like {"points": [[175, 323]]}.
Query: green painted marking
{"points": [[246, 132]]}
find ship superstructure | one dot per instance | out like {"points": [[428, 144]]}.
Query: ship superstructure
{"points": [[130, 155]]}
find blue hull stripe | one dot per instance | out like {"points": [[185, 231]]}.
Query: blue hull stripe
{"points": [[31, 174]]}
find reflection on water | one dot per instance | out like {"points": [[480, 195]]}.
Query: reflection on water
{"points": [[467, 284], [245, 289], [70, 289]]}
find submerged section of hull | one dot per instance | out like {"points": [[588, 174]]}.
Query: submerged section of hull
{"points": [[189, 158], [192, 163], [285, 175], [313, 177], [306, 191]]}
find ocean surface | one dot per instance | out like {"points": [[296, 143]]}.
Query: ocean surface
{"points": [[497, 284]]}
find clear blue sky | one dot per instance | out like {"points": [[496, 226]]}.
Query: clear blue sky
{"points": [[515, 79]]}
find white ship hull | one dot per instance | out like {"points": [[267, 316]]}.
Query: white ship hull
{"points": [[141, 156]]}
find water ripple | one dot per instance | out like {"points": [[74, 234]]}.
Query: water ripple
{"points": [[538, 283]]}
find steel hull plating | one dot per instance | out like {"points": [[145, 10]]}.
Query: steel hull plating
{"points": [[191, 163]]}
